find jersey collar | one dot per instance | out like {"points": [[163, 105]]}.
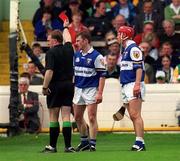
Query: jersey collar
{"points": [[129, 42], [89, 51]]}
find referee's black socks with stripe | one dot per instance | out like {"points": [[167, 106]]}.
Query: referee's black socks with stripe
{"points": [[67, 130], [54, 133]]}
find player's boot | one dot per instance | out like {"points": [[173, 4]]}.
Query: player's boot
{"points": [[83, 146], [138, 146], [92, 148]]}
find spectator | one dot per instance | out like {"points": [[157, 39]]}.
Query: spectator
{"points": [[88, 5], [25, 74], [76, 26], [91, 7], [176, 74], [37, 50], [113, 46], [44, 4], [35, 78], [166, 2], [148, 62], [148, 27], [58, 3], [160, 77], [168, 70], [153, 40], [28, 107], [74, 7], [126, 8], [113, 70], [119, 21], [158, 6], [172, 11], [166, 49], [46, 25], [148, 14], [170, 35], [98, 24], [110, 35]]}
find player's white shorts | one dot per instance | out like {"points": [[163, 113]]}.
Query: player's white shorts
{"points": [[84, 96], [127, 92]]}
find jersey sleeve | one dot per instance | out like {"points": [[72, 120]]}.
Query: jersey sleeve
{"points": [[136, 56], [99, 63], [100, 66]]}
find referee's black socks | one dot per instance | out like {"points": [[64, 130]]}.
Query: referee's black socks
{"points": [[54, 133], [67, 130]]}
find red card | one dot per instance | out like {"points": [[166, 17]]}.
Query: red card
{"points": [[63, 16]]}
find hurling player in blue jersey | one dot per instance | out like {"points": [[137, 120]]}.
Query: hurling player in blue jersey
{"points": [[132, 80], [89, 72]]}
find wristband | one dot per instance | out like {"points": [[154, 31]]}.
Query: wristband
{"points": [[44, 88]]}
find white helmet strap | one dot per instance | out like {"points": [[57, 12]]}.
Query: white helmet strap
{"points": [[122, 38]]}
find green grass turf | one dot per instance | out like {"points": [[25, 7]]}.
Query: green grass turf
{"points": [[110, 147]]}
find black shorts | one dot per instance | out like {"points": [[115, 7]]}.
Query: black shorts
{"points": [[62, 93]]}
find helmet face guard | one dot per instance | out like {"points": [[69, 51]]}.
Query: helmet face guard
{"points": [[123, 36], [125, 32]]}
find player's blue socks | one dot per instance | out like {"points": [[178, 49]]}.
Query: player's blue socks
{"points": [[84, 145], [139, 145], [84, 140], [140, 139], [92, 142]]}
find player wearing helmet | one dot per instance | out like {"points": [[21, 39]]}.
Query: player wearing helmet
{"points": [[132, 80]]}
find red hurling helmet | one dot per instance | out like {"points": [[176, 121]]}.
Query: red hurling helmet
{"points": [[126, 32]]}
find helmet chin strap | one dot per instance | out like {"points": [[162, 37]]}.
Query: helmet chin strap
{"points": [[123, 38], [121, 41]]}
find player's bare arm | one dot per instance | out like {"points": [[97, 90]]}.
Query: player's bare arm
{"points": [[100, 90]]}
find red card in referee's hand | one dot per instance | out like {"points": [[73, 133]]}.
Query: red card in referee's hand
{"points": [[63, 16]]}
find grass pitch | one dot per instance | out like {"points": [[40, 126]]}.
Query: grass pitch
{"points": [[110, 147]]}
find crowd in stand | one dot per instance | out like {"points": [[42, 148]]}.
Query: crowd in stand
{"points": [[156, 24]]}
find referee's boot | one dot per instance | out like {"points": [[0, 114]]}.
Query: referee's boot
{"points": [[49, 149], [138, 146], [83, 146]]}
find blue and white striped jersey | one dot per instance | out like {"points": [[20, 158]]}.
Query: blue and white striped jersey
{"points": [[88, 68], [132, 59]]}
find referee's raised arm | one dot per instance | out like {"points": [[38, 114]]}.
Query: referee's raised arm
{"points": [[66, 34]]}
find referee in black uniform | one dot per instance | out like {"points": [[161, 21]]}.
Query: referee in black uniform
{"points": [[58, 86]]}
